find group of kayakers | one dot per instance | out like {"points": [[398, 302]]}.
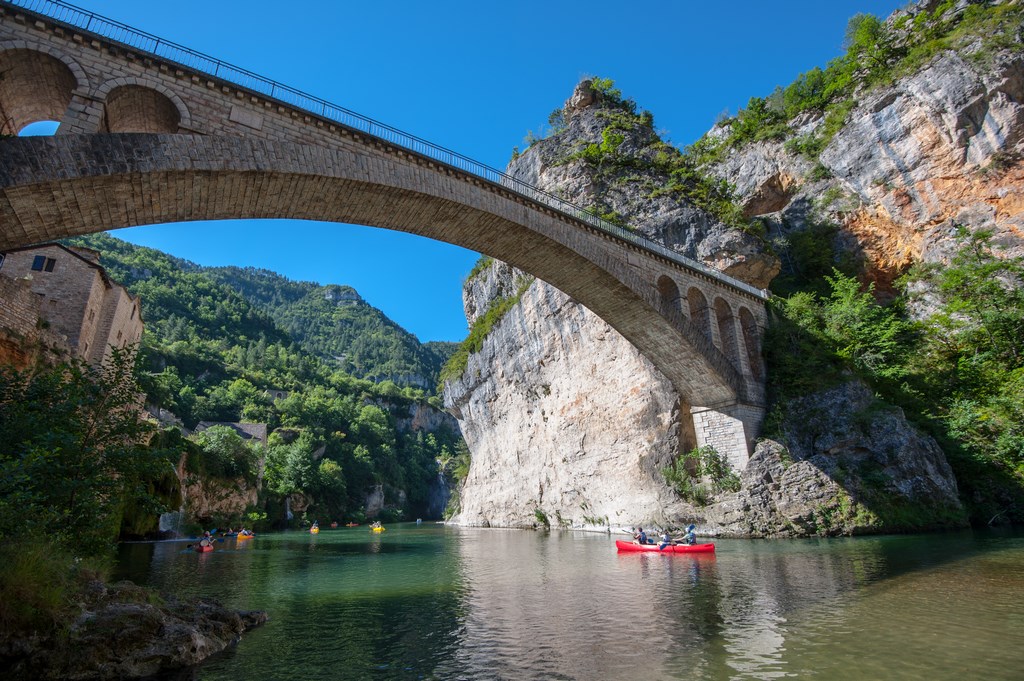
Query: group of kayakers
{"points": [[690, 537]]}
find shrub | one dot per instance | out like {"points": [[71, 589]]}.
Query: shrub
{"points": [[36, 582], [700, 474]]}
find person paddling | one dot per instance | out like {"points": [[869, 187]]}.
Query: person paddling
{"points": [[690, 537], [666, 540], [640, 536]]}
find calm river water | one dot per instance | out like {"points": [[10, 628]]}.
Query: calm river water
{"points": [[434, 602]]}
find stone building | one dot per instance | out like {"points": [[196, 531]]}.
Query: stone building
{"points": [[74, 299]]}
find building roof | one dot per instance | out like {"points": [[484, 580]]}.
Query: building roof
{"points": [[87, 255]]}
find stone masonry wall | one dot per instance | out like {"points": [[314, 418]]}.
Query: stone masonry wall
{"points": [[77, 301], [22, 341]]}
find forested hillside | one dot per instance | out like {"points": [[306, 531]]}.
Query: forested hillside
{"points": [[334, 323], [208, 354]]}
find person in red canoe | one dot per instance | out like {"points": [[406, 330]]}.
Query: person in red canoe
{"points": [[640, 536], [690, 537], [666, 540]]}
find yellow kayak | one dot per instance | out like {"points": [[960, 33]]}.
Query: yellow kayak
{"points": [[377, 529], [314, 530]]}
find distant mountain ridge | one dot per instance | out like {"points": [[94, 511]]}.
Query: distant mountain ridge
{"points": [[331, 321], [334, 323]]}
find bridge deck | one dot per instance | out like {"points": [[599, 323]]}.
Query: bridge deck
{"points": [[145, 43]]}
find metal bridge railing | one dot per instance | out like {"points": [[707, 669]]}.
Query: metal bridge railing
{"points": [[141, 41]]}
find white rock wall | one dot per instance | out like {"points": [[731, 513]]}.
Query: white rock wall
{"points": [[564, 416]]}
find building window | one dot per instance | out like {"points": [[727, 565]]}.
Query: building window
{"points": [[119, 334], [2, 256], [41, 263], [133, 313], [92, 314]]}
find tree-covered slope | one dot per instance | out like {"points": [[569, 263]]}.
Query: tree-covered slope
{"points": [[182, 300], [334, 323], [208, 354]]}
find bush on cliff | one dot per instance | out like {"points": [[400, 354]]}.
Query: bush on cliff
{"points": [[700, 474], [959, 373]]}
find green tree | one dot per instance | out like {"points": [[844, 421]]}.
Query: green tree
{"points": [[74, 452], [225, 454]]}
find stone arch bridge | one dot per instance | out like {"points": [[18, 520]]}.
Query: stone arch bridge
{"points": [[151, 132]]}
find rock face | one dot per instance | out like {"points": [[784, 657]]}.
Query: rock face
{"points": [[207, 498], [853, 465], [622, 190], [938, 149], [120, 634], [565, 421]]}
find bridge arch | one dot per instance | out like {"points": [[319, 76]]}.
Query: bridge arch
{"points": [[700, 311], [669, 291], [141, 105], [37, 85], [727, 330], [752, 343]]}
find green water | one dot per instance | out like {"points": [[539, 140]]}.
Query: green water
{"points": [[430, 602]]}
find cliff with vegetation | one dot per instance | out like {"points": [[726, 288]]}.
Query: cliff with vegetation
{"points": [[880, 197]]}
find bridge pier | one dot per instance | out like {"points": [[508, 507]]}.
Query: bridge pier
{"points": [[732, 430]]}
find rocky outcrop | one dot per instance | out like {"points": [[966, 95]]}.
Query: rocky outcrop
{"points": [[851, 464], [121, 634], [939, 148], [626, 186], [566, 422], [207, 498]]}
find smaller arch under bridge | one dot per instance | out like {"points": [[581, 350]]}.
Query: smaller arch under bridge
{"points": [[151, 132]]}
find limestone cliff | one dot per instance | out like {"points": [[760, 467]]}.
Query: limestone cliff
{"points": [[939, 148], [567, 423]]}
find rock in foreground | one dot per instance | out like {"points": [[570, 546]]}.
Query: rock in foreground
{"points": [[122, 634]]}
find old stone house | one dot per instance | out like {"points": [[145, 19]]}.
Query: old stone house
{"points": [[73, 297]]}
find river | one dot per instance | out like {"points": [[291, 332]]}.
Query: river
{"points": [[434, 602]]}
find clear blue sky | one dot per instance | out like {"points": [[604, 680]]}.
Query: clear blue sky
{"points": [[474, 77]]}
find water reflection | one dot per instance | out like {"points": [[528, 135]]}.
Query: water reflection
{"points": [[427, 602]]}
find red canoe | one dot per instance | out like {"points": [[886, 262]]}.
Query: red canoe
{"points": [[678, 548], [204, 549]]}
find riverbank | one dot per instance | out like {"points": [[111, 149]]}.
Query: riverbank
{"points": [[123, 631]]}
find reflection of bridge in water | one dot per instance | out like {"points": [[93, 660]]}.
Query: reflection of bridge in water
{"points": [[151, 132]]}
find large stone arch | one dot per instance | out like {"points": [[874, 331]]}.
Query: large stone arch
{"points": [[141, 105], [179, 178], [37, 85]]}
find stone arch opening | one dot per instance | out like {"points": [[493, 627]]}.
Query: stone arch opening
{"points": [[727, 330], [752, 342], [669, 292], [134, 108], [34, 86], [40, 129], [700, 311]]}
